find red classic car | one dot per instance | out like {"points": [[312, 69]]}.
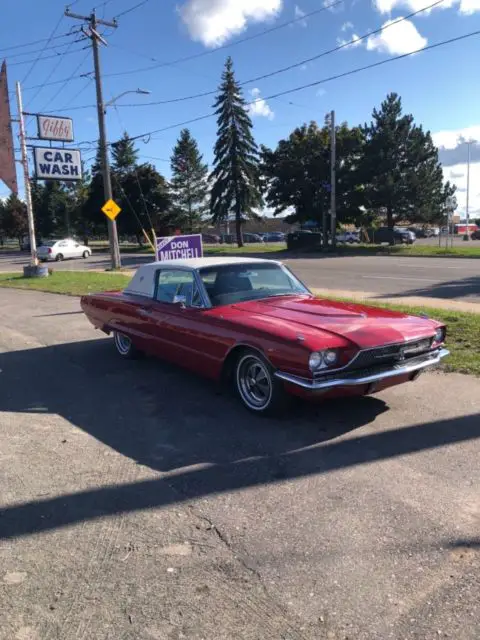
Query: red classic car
{"points": [[252, 322]]}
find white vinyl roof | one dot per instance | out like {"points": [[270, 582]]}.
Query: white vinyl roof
{"points": [[143, 284], [199, 263]]}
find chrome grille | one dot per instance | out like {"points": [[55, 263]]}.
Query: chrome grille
{"points": [[386, 355], [389, 354]]}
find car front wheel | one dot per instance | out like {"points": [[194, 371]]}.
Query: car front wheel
{"points": [[256, 385], [59, 257], [125, 346], [86, 254]]}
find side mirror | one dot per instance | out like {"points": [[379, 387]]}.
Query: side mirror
{"points": [[181, 300]]}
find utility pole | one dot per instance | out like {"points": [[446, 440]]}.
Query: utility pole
{"points": [[95, 37], [28, 193], [333, 181]]}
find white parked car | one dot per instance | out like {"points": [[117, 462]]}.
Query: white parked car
{"points": [[62, 249]]}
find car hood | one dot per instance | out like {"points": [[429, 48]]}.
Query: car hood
{"points": [[364, 326]]}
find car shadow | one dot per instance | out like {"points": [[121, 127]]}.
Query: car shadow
{"points": [[159, 415]]}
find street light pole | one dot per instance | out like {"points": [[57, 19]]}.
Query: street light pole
{"points": [[467, 208], [28, 193]]}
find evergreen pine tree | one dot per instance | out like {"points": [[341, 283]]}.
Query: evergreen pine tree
{"points": [[189, 182], [124, 155], [400, 169], [235, 177]]}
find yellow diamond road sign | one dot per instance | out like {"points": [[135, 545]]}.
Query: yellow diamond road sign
{"points": [[111, 209]]}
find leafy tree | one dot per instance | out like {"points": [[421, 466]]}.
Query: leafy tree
{"points": [[14, 218], [145, 199], [91, 220], [189, 182], [297, 173], [51, 208], [235, 177], [400, 169], [124, 155], [2, 214]]}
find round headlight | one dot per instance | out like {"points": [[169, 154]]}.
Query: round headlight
{"points": [[440, 335], [330, 357], [315, 361]]}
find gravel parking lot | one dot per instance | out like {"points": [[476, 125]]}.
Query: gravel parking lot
{"points": [[139, 503]]}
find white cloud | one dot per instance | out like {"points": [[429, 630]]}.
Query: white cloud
{"points": [[346, 26], [451, 139], [465, 7], [213, 22], [398, 39], [457, 175], [350, 42], [260, 107], [299, 14], [333, 6]]}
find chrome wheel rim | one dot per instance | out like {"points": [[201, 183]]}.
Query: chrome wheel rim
{"points": [[254, 383], [123, 343]]}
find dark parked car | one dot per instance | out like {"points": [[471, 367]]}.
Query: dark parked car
{"points": [[25, 246], [252, 238], [304, 240], [391, 236], [274, 236], [475, 235], [209, 238]]}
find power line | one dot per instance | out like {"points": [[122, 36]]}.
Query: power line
{"points": [[65, 106], [137, 6], [227, 46], [49, 39], [39, 59], [51, 84], [283, 69], [292, 66], [62, 87], [55, 47], [430, 47], [39, 90], [33, 42]]}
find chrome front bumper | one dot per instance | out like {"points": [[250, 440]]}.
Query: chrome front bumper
{"points": [[356, 378]]}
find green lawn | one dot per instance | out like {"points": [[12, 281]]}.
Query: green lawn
{"points": [[208, 249], [73, 283], [420, 250]]}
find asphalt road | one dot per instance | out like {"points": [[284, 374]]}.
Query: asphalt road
{"points": [[137, 503], [385, 276]]}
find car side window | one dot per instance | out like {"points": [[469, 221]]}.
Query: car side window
{"points": [[174, 285]]}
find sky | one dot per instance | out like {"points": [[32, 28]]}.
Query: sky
{"points": [[178, 49]]}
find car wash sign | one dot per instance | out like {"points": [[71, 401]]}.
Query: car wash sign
{"points": [[179, 247], [57, 164]]}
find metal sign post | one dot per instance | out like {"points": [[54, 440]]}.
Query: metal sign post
{"points": [[28, 193]]}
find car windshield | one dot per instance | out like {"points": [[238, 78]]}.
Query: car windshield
{"points": [[50, 243], [232, 283]]}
